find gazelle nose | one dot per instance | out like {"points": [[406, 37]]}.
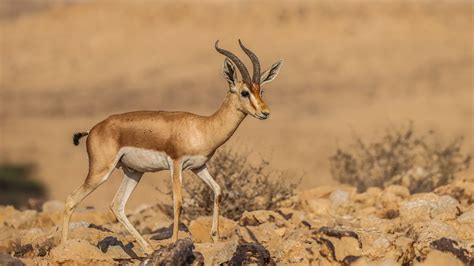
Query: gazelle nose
{"points": [[266, 113]]}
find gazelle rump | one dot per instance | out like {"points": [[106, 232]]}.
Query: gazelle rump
{"points": [[150, 141]]}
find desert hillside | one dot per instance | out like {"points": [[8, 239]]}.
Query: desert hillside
{"points": [[350, 67], [327, 225]]}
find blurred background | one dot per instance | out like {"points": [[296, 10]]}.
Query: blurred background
{"points": [[350, 67]]}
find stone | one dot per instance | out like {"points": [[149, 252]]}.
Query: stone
{"points": [[254, 218], [427, 206], [177, 253], [436, 257], [467, 217], [217, 253], [8, 260], [78, 251], [200, 229], [20, 219], [339, 197], [397, 190], [317, 206]]}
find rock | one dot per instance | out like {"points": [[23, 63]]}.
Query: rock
{"points": [[317, 200], [339, 197], [436, 257], [364, 261], [201, 228], [9, 238], [333, 226], [467, 217], [317, 207], [387, 262], [178, 253], [116, 249], [294, 251], [251, 253], [19, 219], [342, 243], [447, 208], [254, 218], [462, 190], [280, 231], [317, 192], [217, 253], [453, 247], [369, 197], [90, 235], [78, 251], [399, 191], [427, 206], [8, 260]]}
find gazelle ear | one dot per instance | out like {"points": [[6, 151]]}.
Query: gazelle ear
{"points": [[229, 72], [270, 73]]}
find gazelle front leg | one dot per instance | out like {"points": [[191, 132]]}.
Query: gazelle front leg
{"points": [[203, 173], [129, 182], [176, 171]]}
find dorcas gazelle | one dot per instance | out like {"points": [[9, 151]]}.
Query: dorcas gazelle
{"points": [[150, 141]]}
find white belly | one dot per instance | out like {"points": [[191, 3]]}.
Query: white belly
{"points": [[144, 160]]}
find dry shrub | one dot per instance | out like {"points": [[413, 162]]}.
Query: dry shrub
{"points": [[17, 185], [246, 186], [400, 157]]}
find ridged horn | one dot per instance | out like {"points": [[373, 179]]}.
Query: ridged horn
{"points": [[240, 65], [256, 64]]}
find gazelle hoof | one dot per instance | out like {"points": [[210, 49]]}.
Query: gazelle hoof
{"points": [[148, 250], [215, 237]]}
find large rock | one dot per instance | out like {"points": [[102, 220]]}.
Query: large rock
{"points": [[427, 206], [461, 189], [8, 260], [201, 229], [79, 252], [321, 200], [436, 257], [16, 219], [217, 253]]}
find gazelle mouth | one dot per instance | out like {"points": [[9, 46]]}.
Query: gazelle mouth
{"points": [[262, 117]]}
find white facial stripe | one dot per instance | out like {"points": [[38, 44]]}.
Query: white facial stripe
{"points": [[254, 101]]}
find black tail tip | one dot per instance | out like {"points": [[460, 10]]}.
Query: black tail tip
{"points": [[77, 136]]}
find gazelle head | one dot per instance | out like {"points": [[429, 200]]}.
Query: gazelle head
{"points": [[248, 90]]}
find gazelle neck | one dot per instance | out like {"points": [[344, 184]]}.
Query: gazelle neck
{"points": [[224, 122]]}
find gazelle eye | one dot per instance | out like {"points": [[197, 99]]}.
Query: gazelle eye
{"points": [[245, 94]]}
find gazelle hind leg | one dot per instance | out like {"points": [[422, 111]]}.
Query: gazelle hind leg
{"points": [[93, 181], [129, 182], [176, 177], [204, 174]]}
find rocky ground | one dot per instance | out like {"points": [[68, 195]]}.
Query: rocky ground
{"points": [[322, 226]]}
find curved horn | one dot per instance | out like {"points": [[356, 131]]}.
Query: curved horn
{"points": [[243, 70], [255, 63]]}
